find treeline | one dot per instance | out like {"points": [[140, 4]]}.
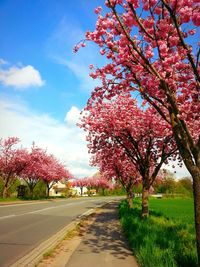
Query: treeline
{"points": [[172, 187], [33, 167]]}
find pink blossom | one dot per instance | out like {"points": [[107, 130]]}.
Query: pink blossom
{"points": [[196, 17], [102, 51], [91, 66], [98, 10], [192, 32]]}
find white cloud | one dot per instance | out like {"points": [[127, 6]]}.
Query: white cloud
{"points": [[65, 140], [20, 77], [72, 116]]}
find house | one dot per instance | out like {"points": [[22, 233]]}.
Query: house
{"points": [[64, 189], [80, 191], [58, 189]]}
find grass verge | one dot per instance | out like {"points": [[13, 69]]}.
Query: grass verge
{"points": [[9, 199], [62, 248], [166, 238], [76, 231]]}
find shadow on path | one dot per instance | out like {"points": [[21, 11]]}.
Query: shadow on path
{"points": [[105, 234], [103, 244]]}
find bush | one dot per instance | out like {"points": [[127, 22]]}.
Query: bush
{"points": [[119, 191], [39, 190], [12, 192], [1, 187]]}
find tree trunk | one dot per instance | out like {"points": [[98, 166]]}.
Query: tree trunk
{"points": [[47, 190], [103, 191], [130, 200], [5, 191], [196, 192], [31, 187], [190, 153], [191, 157], [195, 173], [145, 202], [6, 187]]}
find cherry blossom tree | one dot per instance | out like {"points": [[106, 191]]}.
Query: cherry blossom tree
{"points": [[103, 183], [43, 166], [114, 164], [90, 184], [95, 182], [144, 136], [53, 171], [80, 182], [34, 171], [12, 162], [32, 166], [153, 48], [99, 181]]}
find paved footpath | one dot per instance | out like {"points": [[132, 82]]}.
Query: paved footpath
{"points": [[103, 245]]}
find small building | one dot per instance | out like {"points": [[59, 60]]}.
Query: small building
{"points": [[63, 189], [80, 191], [58, 189]]}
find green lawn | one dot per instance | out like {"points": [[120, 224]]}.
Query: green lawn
{"points": [[176, 209], [166, 238]]}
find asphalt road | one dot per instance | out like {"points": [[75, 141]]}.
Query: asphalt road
{"points": [[24, 226]]}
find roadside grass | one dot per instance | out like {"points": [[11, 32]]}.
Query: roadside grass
{"points": [[9, 199], [70, 234], [78, 230], [20, 199], [166, 238]]}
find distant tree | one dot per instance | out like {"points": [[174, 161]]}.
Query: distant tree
{"points": [[168, 183], [43, 166], [113, 163], [13, 160], [186, 184], [100, 182], [33, 172], [80, 182], [53, 171]]}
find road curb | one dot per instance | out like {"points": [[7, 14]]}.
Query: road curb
{"points": [[35, 256]]}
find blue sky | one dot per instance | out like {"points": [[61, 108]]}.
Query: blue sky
{"points": [[43, 85], [42, 34]]}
